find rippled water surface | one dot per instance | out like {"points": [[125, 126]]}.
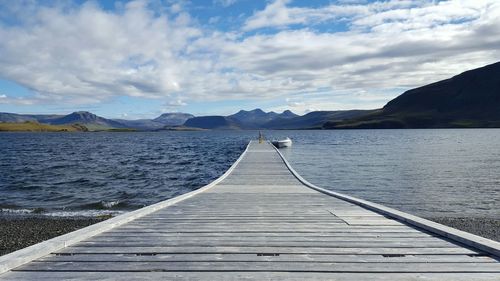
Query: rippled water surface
{"points": [[64, 173], [425, 172]]}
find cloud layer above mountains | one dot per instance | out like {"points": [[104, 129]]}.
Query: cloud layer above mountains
{"points": [[343, 55]]}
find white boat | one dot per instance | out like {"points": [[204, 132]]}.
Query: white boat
{"points": [[282, 143]]}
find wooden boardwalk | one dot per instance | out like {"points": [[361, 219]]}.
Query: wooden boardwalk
{"points": [[261, 223]]}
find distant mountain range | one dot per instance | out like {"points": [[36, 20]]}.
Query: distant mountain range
{"points": [[242, 120], [257, 118], [468, 100], [96, 123]]}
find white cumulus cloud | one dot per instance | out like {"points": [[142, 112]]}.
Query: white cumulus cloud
{"points": [[85, 54], [89, 54]]}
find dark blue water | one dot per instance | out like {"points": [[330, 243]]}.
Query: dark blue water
{"points": [[425, 172], [95, 173]]}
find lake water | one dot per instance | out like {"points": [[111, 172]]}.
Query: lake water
{"points": [[424, 172]]}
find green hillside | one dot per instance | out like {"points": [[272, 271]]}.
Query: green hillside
{"points": [[32, 126], [468, 100]]}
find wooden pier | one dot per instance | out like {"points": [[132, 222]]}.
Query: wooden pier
{"points": [[260, 221]]}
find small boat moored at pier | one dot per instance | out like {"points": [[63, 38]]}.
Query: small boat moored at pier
{"points": [[282, 143]]}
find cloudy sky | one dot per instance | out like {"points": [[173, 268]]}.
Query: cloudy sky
{"points": [[137, 59]]}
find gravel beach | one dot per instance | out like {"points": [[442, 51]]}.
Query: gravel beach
{"points": [[485, 227], [19, 232]]}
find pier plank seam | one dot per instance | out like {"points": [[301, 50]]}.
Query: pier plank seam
{"points": [[261, 220]]}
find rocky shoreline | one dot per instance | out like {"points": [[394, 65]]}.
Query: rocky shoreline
{"points": [[485, 227], [19, 232]]}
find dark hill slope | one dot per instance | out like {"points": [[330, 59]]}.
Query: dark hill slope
{"points": [[213, 123], [314, 119], [470, 99], [90, 120]]}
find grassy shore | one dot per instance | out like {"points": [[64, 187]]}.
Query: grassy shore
{"points": [[31, 126]]}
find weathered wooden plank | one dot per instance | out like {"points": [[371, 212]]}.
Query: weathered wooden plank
{"points": [[371, 222], [237, 217], [264, 226], [247, 224], [258, 189], [280, 258], [259, 182], [387, 229], [248, 275], [423, 267], [254, 239], [290, 243], [264, 235], [263, 249], [257, 219]]}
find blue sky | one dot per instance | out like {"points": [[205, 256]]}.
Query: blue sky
{"points": [[138, 59]]}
